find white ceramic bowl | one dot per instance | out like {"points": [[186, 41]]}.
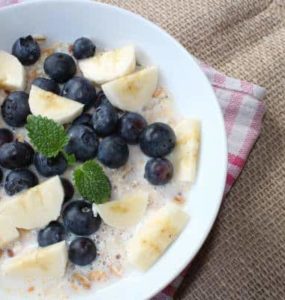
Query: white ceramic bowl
{"points": [[111, 27]]}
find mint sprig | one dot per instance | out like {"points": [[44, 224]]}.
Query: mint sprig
{"points": [[47, 136], [92, 183], [70, 158]]}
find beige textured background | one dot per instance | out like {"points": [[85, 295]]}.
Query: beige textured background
{"points": [[244, 257]]}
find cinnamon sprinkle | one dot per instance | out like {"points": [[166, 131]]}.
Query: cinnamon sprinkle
{"points": [[32, 75], [31, 289], [70, 48], [179, 199], [10, 252], [157, 92]]}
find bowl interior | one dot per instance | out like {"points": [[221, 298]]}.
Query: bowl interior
{"points": [[179, 73]]}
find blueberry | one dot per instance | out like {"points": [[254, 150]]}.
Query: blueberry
{"points": [[15, 109], [1, 175], [27, 50], [78, 218], [105, 120], [158, 171], [81, 90], [131, 126], [82, 251], [157, 140], [6, 136], [50, 166], [101, 99], [83, 142], [19, 180], [15, 155], [60, 67], [68, 189], [53, 233], [113, 152], [47, 85], [84, 119], [83, 48]]}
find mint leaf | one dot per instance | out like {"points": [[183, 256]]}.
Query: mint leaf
{"points": [[70, 158], [47, 136], [92, 183]]}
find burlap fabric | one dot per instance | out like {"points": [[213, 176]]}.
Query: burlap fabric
{"points": [[244, 256]]}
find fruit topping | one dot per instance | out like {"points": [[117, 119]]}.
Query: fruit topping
{"points": [[83, 142], [19, 180], [83, 48], [157, 140], [27, 50], [113, 152], [60, 67], [78, 217], [15, 109]]}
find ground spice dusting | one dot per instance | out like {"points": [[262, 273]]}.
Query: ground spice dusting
{"points": [[158, 92], [32, 75], [31, 289], [10, 252], [179, 199], [70, 48]]}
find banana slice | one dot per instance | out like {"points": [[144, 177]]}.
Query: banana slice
{"points": [[133, 91], [109, 65], [35, 207], [186, 153], [8, 232], [153, 238], [52, 106], [126, 212], [42, 263], [12, 73]]}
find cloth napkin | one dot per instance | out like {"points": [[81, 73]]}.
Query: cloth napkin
{"points": [[243, 110]]}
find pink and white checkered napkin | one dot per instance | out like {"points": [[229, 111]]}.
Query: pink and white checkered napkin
{"points": [[243, 111]]}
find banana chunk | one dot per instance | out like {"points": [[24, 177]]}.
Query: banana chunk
{"points": [[153, 238], [35, 207], [41, 263], [8, 232], [109, 65], [186, 152], [132, 92], [52, 106], [12, 73], [126, 212]]}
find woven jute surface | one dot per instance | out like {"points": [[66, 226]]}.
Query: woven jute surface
{"points": [[244, 256]]}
